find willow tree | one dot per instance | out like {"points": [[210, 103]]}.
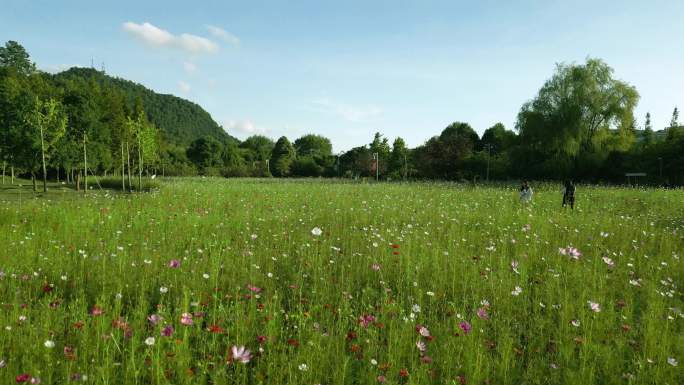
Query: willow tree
{"points": [[577, 112]]}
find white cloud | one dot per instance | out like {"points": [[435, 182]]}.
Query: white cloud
{"points": [[244, 128], [156, 37], [356, 114], [223, 35], [184, 87], [189, 67]]}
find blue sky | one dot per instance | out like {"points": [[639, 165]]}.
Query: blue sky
{"points": [[347, 69]]}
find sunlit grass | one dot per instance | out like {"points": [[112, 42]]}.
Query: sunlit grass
{"points": [[481, 273]]}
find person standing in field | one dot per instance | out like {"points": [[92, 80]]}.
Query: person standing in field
{"points": [[569, 194], [525, 192]]}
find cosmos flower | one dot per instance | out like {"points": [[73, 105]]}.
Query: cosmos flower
{"points": [[303, 367], [96, 311], [366, 320], [149, 341], [421, 346], [49, 344], [174, 263], [608, 262], [672, 361], [575, 323], [316, 231], [163, 289], [465, 326], [24, 377], [186, 319], [516, 292], [254, 289], [514, 267], [240, 354], [154, 319], [482, 313], [423, 331], [594, 306], [375, 267], [167, 331]]}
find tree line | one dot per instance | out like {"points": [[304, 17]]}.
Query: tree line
{"points": [[80, 122]]}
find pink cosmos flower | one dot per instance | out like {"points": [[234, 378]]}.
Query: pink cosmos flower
{"points": [[240, 354], [594, 306], [96, 311], [465, 326], [375, 267], [366, 320], [174, 263], [421, 346], [482, 313], [381, 379], [154, 319], [186, 319], [609, 262], [423, 331], [254, 289], [24, 377], [167, 331]]}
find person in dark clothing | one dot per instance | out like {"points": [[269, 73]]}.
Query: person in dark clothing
{"points": [[569, 194]]}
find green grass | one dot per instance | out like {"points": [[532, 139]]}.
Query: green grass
{"points": [[443, 248]]}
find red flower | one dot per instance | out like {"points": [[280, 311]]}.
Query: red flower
{"points": [[216, 329], [395, 246], [22, 378], [261, 339], [293, 342], [403, 373]]}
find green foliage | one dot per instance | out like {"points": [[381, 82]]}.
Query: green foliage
{"points": [[14, 56], [282, 157]]}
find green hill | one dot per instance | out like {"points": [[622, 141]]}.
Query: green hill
{"points": [[179, 120]]}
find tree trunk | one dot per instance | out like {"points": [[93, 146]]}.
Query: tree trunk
{"points": [[4, 164], [12, 171], [123, 169], [140, 165], [78, 181], [42, 155], [128, 159], [85, 166], [57, 174], [33, 179]]}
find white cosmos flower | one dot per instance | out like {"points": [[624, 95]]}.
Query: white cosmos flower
{"points": [[49, 344], [149, 341], [163, 289], [316, 231], [672, 361], [303, 367]]}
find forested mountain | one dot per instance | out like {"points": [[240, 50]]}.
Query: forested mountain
{"points": [[180, 121]]}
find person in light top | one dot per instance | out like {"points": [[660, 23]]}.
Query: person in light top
{"points": [[525, 192]]}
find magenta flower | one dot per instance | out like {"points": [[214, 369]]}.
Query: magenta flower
{"points": [[482, 313], [174, 263], [254, 289], [167, 331], [465, 326], [366, 320], [240, 354], [24, 377], [186, 319]]}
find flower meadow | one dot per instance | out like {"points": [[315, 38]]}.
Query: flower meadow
{"points": [[215, 281]]}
